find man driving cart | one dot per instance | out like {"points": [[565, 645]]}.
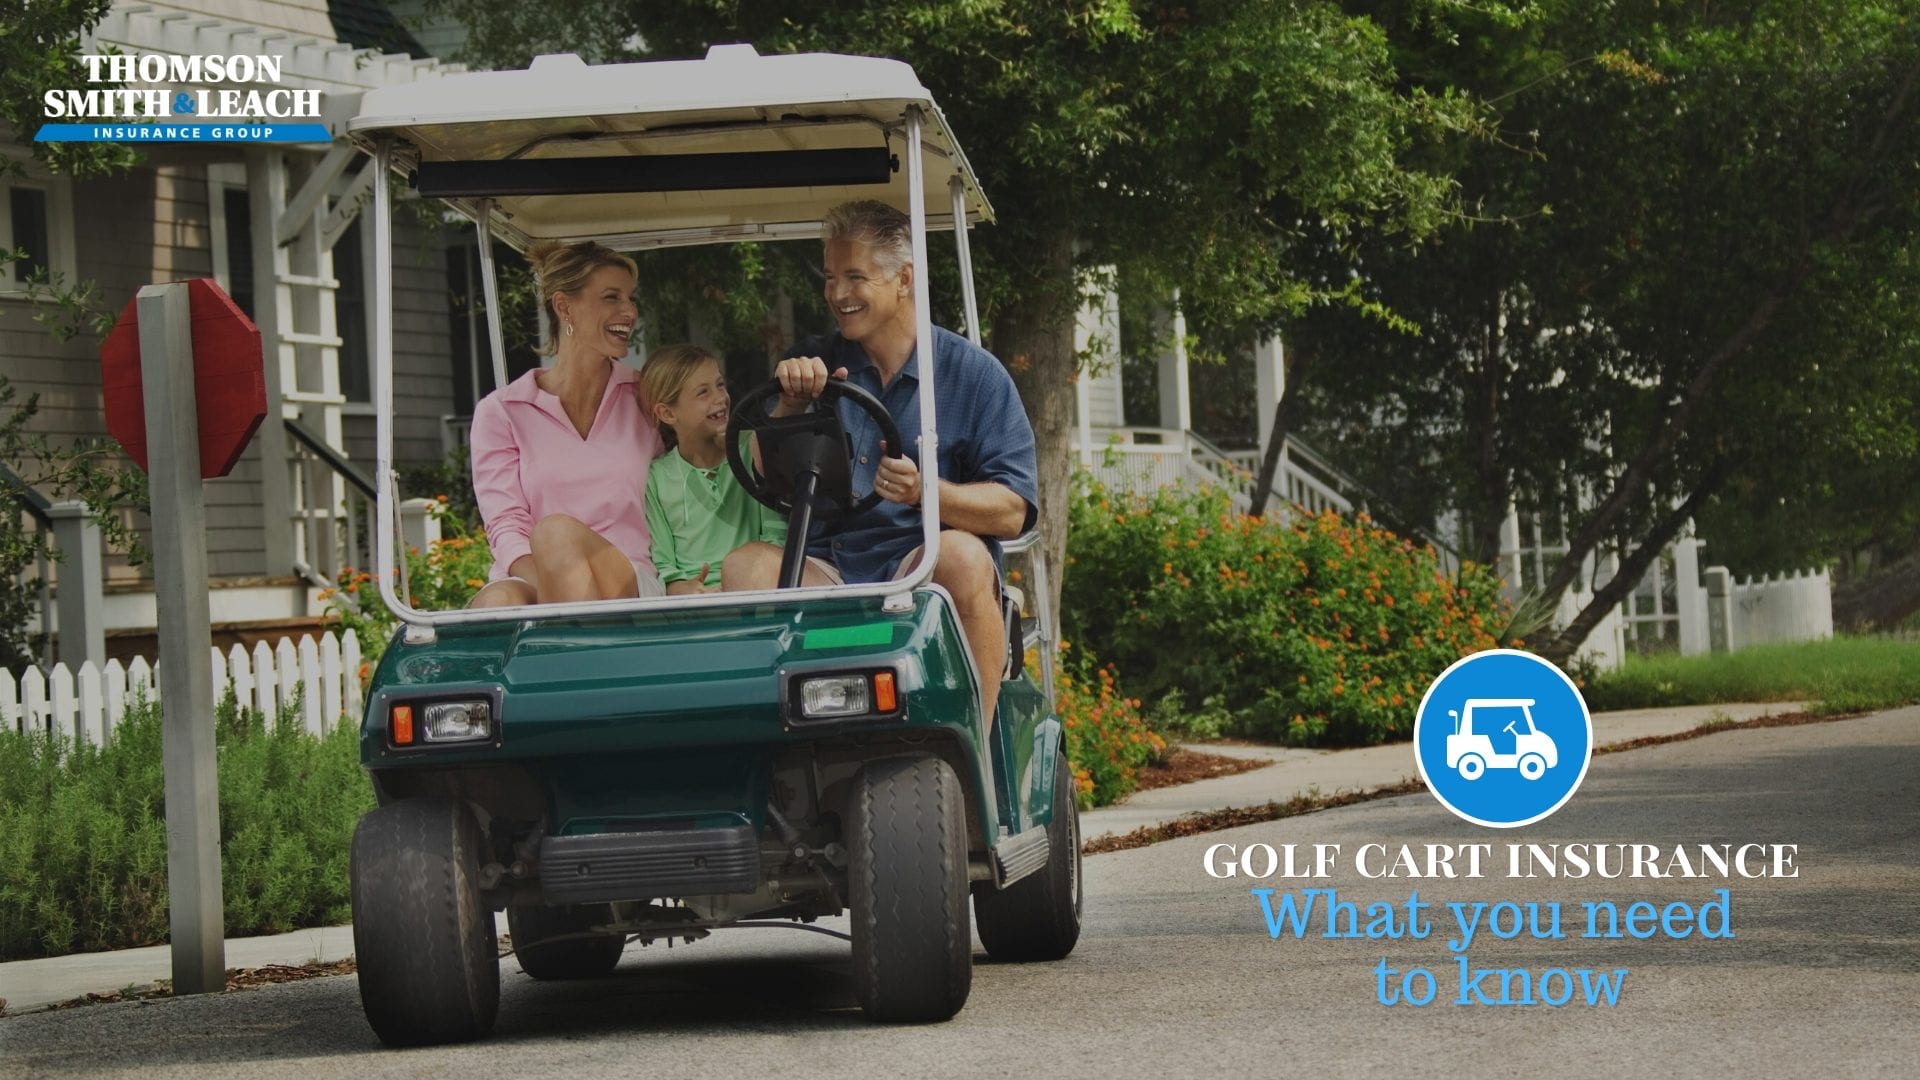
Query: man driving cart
{"points": [[986, 453]]}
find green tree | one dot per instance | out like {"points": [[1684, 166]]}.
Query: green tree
{"points": [[1191, 144], [1692, 278], [40, 51]]}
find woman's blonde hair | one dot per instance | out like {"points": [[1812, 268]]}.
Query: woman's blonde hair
{"points": [[565, 268], [666, 372]]}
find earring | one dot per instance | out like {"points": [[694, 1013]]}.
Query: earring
{"points": [[569, 326]]}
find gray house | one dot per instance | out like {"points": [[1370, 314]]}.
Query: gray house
{"points": [[278, 226]]}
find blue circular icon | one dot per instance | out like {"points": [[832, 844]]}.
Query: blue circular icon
{"points": [[1502, 738]]}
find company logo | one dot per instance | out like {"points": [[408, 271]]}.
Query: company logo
{"points": [[1502, 738], [155, 98]]}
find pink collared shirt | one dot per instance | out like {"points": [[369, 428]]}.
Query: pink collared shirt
{"points": [[529, 461]]}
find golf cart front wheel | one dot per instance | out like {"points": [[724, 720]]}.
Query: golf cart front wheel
{"points": [[912, 937], [1533, 766], [423, 939], [1038, 917], [1471, 767]]}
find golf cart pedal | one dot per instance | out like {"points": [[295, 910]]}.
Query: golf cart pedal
{"points": [[634, 865]]}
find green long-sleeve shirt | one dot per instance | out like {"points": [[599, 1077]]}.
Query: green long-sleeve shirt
{"points": [[697, 515]]}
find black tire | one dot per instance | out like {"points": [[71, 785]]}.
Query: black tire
{"points": [[1038, 917], [577, 958], [912, 944], [423, 940]]}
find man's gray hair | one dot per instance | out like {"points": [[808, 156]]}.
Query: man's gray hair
{"points": [[886, 230]]}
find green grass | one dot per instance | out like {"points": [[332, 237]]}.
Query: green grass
{"points": [[1842, 675]]}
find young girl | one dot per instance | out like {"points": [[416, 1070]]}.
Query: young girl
{"points": [[696, 510]]}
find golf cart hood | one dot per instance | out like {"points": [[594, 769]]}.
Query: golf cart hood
{"points": [[799, 133], [693, 677]]}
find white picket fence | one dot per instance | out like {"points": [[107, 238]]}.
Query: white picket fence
{"points": [[85, 705]]}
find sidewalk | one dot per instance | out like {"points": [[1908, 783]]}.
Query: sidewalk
{"points": [[26, 985], [1299, 772]]}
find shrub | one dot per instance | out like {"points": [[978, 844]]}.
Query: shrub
{"points": [[442, 578], [1108, 740], [1324, 631], [91, 470], [83, 831]]}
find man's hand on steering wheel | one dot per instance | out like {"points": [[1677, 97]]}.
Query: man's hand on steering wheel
{"points": [[806, 374], [802, 379]]}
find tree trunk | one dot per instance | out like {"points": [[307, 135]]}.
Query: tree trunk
{"points": [[1270, 463], [1033, 336], [1561, 647], [1492, 488]]}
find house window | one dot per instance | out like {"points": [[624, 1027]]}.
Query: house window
{"points": [[238, 247], [230, 214], [467, 326], [350, 316], [35, 220], [28, 216]]}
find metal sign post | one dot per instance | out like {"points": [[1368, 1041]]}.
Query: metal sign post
{"points": [[180, 587]]}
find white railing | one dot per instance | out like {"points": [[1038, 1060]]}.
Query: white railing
{"points": [[84, 705], [333, 509], [1143, 459], [1294, 485]]}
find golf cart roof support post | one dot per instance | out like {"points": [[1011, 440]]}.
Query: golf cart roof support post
{"points": [[962, 243], [923, 343], [385, 508], [490, 282]]}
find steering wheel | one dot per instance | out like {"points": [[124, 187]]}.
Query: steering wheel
{"points": [[813, 439]]}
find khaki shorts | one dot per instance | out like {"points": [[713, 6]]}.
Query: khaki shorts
{"points": [[644, 576], [900, 573]]}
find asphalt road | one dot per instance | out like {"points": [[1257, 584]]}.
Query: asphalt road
{"points": [[1176, 974]]}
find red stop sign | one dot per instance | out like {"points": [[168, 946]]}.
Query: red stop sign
{"points": [[229, 383]]}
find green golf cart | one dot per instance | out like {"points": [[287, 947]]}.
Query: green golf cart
{"points": [[661, 768]]}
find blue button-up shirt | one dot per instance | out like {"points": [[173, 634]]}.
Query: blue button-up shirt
{"points": [[984, 436]]}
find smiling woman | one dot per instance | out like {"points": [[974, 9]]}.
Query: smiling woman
{"points": [[561, 455]]}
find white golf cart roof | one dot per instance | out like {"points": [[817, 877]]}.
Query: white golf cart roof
{"points": [[734, 147]]}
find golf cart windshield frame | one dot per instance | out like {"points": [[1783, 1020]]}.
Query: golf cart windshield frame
{"points": [[393, 587]]}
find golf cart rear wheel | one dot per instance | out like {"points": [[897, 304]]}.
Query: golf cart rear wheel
{"points": [[912, 944], [1038, 917], [1472, 766], [428, 967], [532, 925]]}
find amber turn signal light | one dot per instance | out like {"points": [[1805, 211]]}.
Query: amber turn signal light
{"points": [[401, 725], [883, 692]]}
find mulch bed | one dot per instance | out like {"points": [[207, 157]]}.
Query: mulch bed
{"points": [[237, 979], [1186, 766], [1213, 821]]}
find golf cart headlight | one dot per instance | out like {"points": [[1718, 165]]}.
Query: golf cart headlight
{"points": [[835, 695], [457, 721]]}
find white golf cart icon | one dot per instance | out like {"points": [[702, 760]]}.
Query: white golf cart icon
{"points": [[1471, 751]]}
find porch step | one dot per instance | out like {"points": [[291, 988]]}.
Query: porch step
{"points": [[124, 645], [242, 610]]}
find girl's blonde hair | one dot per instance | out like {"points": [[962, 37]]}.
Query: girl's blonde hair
{"points": [[666, 372], [565, 268]]}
